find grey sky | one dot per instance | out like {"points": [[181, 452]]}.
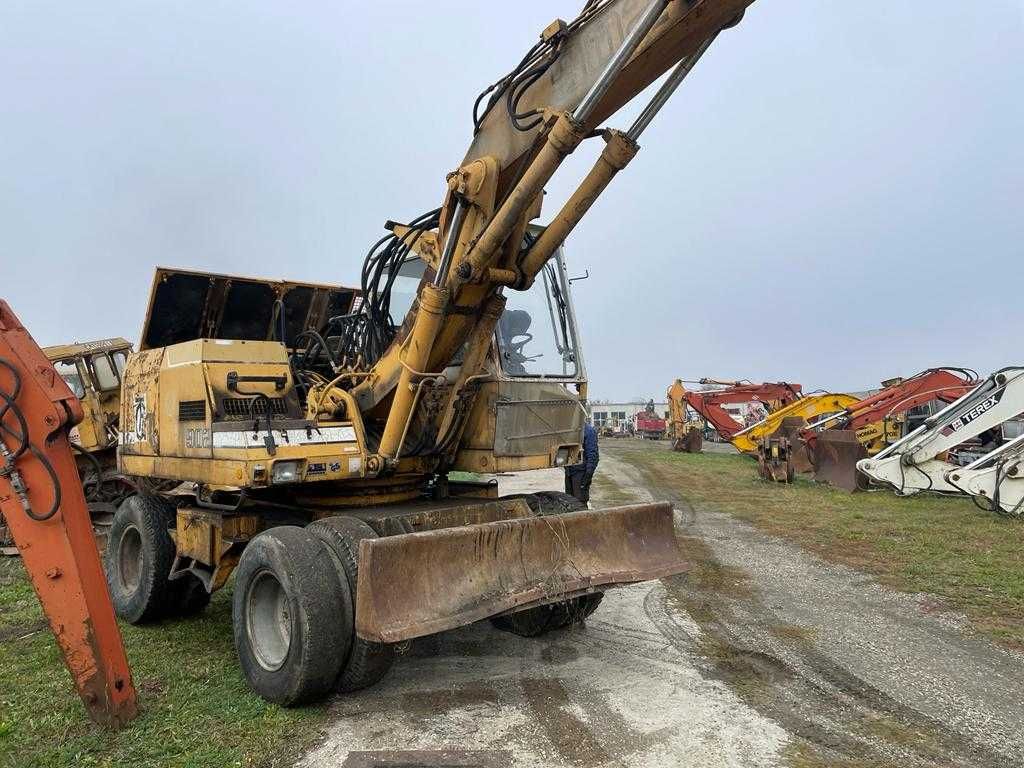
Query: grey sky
{"points": [[833, 197]]}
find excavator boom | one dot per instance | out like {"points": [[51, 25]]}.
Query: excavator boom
{"points": [[42, 499]]}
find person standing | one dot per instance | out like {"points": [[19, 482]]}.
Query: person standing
{"points": [[578, 477]]}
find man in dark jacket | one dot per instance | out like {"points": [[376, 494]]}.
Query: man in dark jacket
{"points": [[579, 476]]}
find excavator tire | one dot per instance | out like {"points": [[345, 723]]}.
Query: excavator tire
{"points": [[286, 616], [138, 560], [534, 622], [367, 662]]}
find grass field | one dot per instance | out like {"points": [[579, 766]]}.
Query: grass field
{"points": [[196, 708], [970, 560]]}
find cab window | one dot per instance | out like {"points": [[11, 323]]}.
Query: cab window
{"points": [[68, 371], [104, 372], [534, 335], [120, 358]]}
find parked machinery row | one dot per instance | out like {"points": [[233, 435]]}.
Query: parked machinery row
{"points": [[942, 430]]}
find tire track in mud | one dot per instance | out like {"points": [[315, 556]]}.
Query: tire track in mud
{"points": [[778, 669]]}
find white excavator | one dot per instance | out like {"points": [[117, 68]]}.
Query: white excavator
{"points": [[918, 462], [995, 480]]}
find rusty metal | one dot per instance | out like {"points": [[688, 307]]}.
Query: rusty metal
{"points": [[799, 456], [836, 453], [773, 460], [691, 442], [421, 583], [49, 520]]}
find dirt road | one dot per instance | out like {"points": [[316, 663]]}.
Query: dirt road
{"points": [[763, 655]]}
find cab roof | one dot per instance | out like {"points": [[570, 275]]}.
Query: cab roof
{"points": [[78, 348]]}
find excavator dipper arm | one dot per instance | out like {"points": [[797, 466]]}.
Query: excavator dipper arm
{"points": [[996, 479], [913, 464], [42, 500], [711, 404]]}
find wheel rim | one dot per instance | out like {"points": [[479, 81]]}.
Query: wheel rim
{"points": [[268, 622], [129, 559]]}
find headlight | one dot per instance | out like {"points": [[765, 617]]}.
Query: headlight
{"points": [[561, 457], [284, 472]]}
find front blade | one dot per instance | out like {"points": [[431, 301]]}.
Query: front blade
{"points": [[420, 583], [836, 453]]}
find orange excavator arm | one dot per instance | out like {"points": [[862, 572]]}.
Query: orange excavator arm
{"points": [[42, 500], [945, 384], [711, 404]]}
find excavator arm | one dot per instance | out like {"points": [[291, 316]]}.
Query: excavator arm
{"points": [[802, 411], [578, 75], [42, 499], [711, 404], [833, 445], [995, 479], [915, 464]]}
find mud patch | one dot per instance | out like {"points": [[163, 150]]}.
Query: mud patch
{"points": [[429, 703], [559, 653]]}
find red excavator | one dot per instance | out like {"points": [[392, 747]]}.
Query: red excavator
{"points": [[833, 445], [710, 405]]}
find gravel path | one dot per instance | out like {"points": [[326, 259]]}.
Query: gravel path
{"points": [[764, 655]]}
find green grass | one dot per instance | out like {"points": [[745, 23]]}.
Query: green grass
{"points": [[196, 709], [970, 560]]}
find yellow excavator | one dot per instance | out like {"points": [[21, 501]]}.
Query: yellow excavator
{"points": [[312, 459]]}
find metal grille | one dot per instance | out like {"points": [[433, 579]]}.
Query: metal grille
{"points": [[192, 410], [245, 407]]}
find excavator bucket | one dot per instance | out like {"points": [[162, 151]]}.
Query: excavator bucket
{"points": [[836, 453], [691, 442], [789, 429], [417, 584]]}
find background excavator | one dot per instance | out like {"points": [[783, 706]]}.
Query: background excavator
{"points": [[918, 462], [687, 434], [832, 445], [331, 442]]}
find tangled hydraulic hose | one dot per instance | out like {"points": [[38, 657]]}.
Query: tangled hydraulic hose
{"points": [[22, 445]]}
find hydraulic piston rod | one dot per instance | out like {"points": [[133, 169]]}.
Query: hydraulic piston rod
{"points": [[619, 151]]}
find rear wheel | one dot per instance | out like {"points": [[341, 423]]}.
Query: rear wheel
{"points": [[138, 560], [289, 616], [367, 662], [534, 622]]}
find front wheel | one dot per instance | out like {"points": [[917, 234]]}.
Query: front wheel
{"points": [[287, 616]]}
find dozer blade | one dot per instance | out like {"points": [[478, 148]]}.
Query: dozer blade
{"points": [[836, 453], [420, 583]]}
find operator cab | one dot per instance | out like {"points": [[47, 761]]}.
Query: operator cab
{"points": [[536, 336]]}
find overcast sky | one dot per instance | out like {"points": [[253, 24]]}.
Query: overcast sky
{"points": [[834, 197]]}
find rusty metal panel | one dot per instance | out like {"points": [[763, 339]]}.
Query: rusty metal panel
{"points": [[534, 416], [421, 583]]}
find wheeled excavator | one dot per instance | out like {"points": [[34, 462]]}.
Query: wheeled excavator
{"points": [[917, 462], [314, 465]]}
